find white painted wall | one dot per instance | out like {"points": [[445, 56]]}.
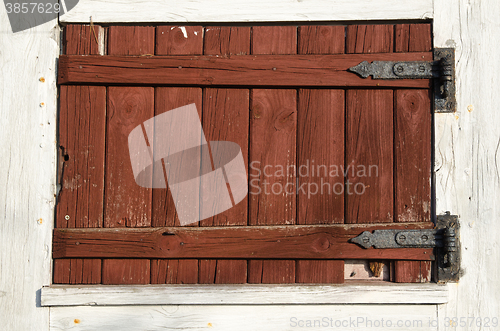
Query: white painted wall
{"points": [[468, 154], [467, 161], [27, 171]]}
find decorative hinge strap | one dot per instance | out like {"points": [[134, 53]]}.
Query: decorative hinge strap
{"points": [[442, 69], [444, 238]]}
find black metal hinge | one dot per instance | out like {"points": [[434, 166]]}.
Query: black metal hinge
{"points": [[442, 70], [443, 238]]}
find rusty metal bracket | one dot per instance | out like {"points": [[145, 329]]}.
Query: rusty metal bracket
{"points": [[444, 238], [441, 69]]}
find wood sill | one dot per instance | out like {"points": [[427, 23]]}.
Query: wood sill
{"points": [[247, 294]]}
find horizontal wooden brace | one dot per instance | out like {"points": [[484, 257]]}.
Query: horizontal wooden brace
{"points": [[238, 70], [238, 242]]}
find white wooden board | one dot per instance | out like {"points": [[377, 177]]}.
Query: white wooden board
{"points": [[132, 11], [245, 318], [243, 294], [468, 155], [27, 171]]}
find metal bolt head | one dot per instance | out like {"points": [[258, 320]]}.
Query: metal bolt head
{"points": [[400, 68], [66, 217], [402, 237], [366, 240]]}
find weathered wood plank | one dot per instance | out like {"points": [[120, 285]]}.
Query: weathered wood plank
{"points": [[273, 142], [247, 70], [321, 39], [320, 272], [386, 293], [375, 38], [412, 147], [82, 123], [253, 242], [412, 139], [369, 158], [179, 40], [226, 117], [140, 11], [28, 156], [174, 271], [131, 40], [126, 203], [412, 271], [174, 40], [320, 137], [244, 318]]}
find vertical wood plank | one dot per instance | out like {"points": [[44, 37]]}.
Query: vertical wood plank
{"points": [[179, 40], [374, 38], [174, 271], [412, 156], [273, 123], [168, 98], [413, 38], [174, 40], [274, 40], [369, 156], [320, 145], [131, 40], [226, 117], [227, 40], [126, 203], [412, 271], [271, 271], [82, 119], [318, 271], [321, 39]]}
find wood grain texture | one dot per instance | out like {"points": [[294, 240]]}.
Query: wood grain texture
{"points": [[412, 139], [82, 122], [131, 40], [376, 38], [413, 37], [320, 145], [130, 271], [226, 117], [80, 201], [412, 271], [361, 293], [369, 156], [241, 70], [28, 157], [168, 98], [82, 39], [222, 11], [174, 271], [174, 40], [271, 271], [227, 40], [126, 203], [321, 39], [177, 40], [236, 242], [412, 136], [272, 144], [274, 40], [249, 317], [320, 272], [467, 158]]}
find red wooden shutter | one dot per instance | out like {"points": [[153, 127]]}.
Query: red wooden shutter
{"points": [[283, 94]]}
